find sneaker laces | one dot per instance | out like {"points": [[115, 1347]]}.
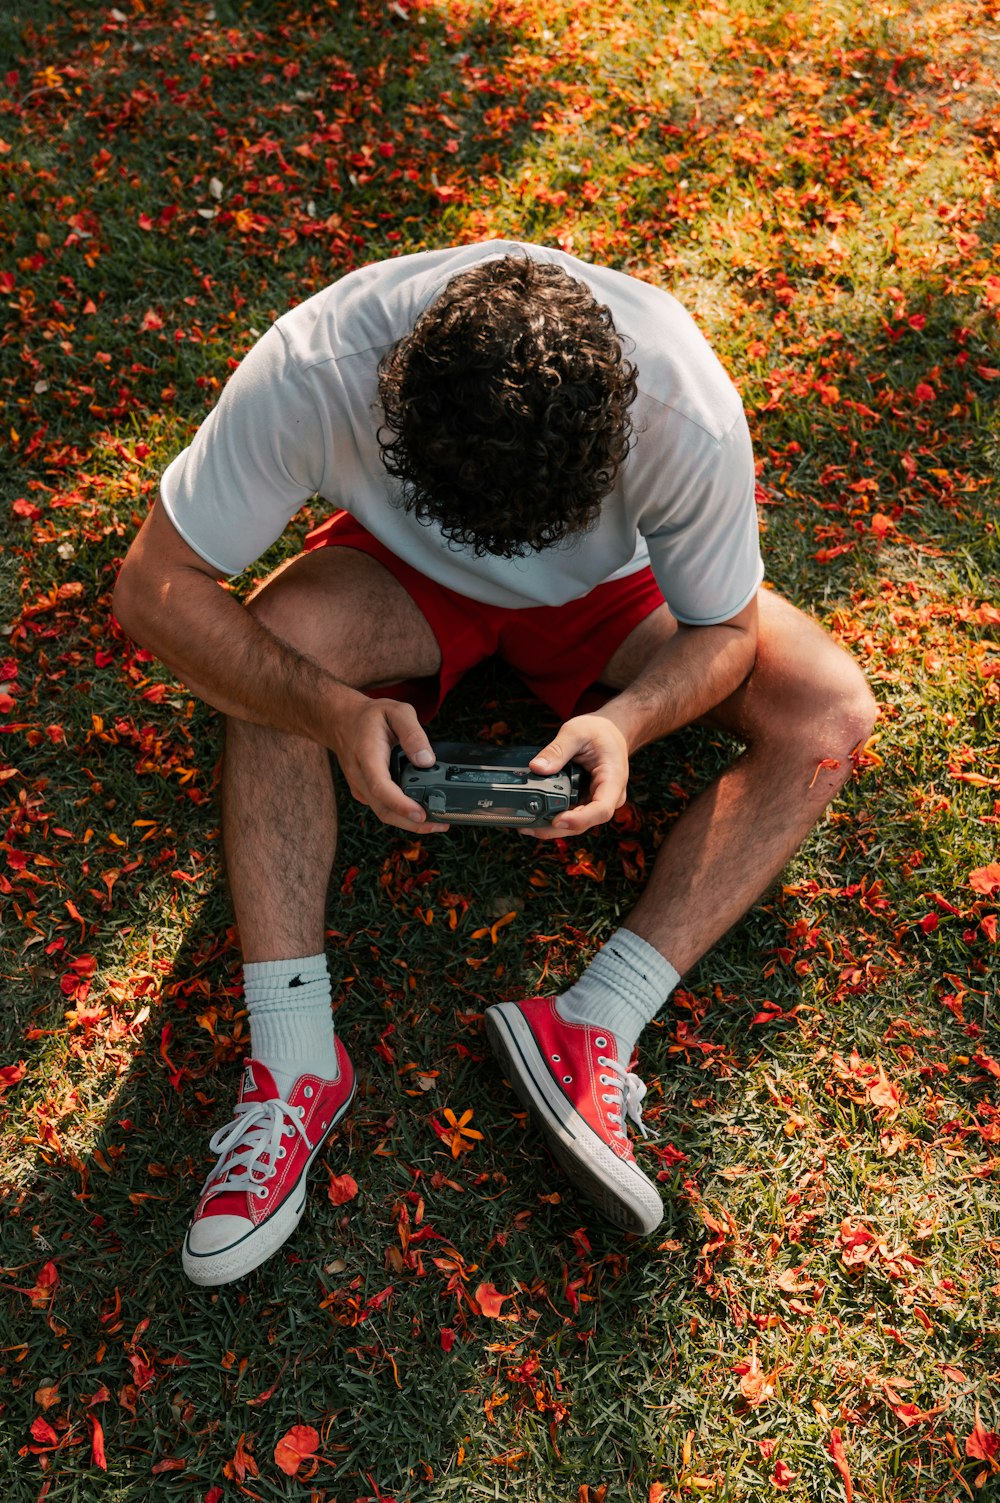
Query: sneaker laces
{"points": [[632, 1091], [256, 1130]]}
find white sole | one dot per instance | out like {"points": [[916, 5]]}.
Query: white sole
{"points": [[260, 1242], [619, 1190]]}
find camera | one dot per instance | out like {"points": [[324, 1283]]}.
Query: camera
{"points": [[487, 785]]}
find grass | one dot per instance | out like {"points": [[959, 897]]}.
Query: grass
{"points": [[817, 1317]]}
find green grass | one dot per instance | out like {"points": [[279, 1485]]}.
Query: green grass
{"points": [[814, 182]]}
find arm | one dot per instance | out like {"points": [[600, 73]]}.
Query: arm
{"points": [[170, 600], [691, 673]]}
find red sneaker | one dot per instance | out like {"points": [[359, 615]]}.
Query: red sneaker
{"points": [[254, 1197], [569, 1078]]}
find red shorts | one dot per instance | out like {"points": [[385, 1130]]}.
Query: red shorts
{"points": [[559, 651]]}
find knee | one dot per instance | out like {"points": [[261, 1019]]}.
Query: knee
{"points": [[839, 720], [825, 712], [274, 606], [860, 710], [831, 699], [288, 609]]}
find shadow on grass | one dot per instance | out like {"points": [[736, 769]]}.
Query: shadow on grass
{"points": [[362, 1291], [346, 1328]]}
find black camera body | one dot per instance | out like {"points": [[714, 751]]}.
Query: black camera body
{"points": [[487, 785]]}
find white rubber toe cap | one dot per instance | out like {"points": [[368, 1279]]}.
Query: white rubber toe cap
{"points": [[213, 1234]]}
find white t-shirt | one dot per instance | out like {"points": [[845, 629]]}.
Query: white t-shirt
{"points": [[299, 418]]}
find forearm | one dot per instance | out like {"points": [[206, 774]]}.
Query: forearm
{"points": [[227, 658], [694, 671], [169, 599]]}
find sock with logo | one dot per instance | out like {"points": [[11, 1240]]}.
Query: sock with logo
{"points": [[624, 986], [291, 1026]]}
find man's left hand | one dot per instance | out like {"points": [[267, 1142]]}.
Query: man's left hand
{"points": [[599, 746]]}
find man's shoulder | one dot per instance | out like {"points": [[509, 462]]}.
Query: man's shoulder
{"points": [[370, 307], [681, 381]]}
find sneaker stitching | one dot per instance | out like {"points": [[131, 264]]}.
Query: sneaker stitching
{"points": [[258, 1217], [622, 1149]]}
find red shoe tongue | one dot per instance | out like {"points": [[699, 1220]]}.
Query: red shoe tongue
{"points": [[258, 1082]]}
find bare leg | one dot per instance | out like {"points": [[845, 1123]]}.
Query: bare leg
{"points": [[280, 825], [801, 712], [343, 610]]}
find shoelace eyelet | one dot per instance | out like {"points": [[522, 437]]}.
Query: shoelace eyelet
{"points": [[601, 1043], [250, 1145], [308, 1093]]}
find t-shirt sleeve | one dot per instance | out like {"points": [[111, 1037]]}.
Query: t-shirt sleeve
{"points": [[255, 459], [704, 543]]}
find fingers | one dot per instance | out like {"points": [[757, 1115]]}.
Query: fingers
{"points": [[409, 733], [600, 747], [551, 758], [403, 722], [385, 723], [606, 795]]}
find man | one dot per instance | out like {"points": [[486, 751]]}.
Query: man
{"points": [[535, 457]]}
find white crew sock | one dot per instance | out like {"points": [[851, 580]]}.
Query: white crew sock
{"points": [[291, 1026], [625, 985]]}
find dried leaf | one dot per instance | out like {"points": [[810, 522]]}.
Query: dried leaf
{"points": [[490, 1302], [835, 1448], [982, 1444], [97, 1443], [301, 1442], [341, 1189]]}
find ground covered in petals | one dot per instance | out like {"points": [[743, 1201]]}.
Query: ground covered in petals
{"points": [[817, 1318]]}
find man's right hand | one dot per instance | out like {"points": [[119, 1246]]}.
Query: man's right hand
{"points": [[362, 741]]}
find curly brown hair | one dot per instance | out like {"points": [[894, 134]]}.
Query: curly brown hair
{"points": [[506, 408]]}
